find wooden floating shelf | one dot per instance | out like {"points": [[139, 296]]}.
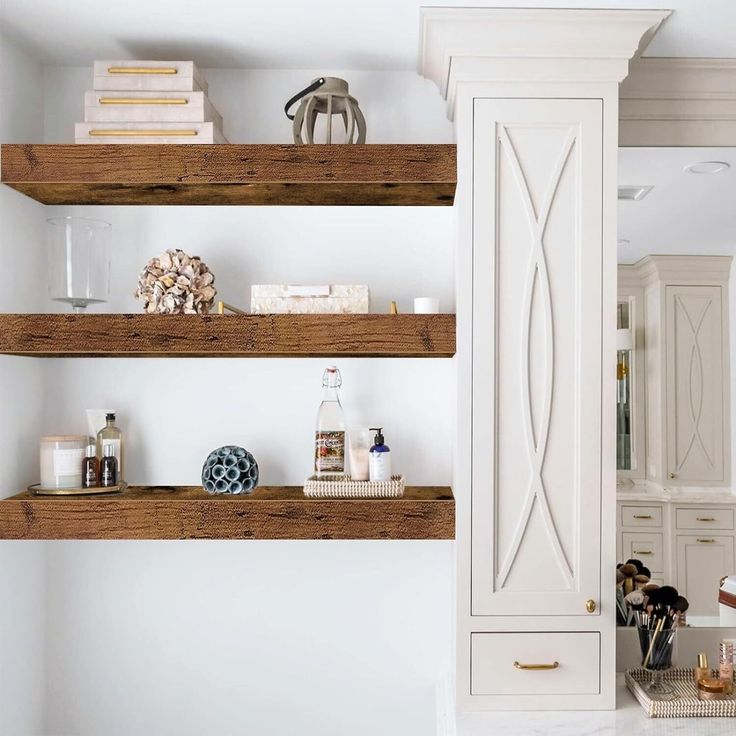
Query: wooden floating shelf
{"points": [[232, 335], [147, 512], [403, 174]]}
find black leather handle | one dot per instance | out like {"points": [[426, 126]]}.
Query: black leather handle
{"points": [[317, 83]]}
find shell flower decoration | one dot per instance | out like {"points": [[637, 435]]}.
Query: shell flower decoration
{"points": [[176, 283]]}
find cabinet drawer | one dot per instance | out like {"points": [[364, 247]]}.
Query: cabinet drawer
{"points": [[688, 518], [645, 546], [641, 516], [535, 663]]}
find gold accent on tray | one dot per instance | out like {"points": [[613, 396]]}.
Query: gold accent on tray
{"points": [[139, 133], [551, 666], [224, 306], [143, 100], [38, 490], [142, 70]]}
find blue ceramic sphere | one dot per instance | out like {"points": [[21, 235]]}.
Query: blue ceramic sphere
{"points": [[230, 469]]}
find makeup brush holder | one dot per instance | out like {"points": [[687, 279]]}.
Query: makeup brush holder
{"points": [[657, 647]]}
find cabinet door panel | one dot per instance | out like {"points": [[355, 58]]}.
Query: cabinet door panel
{"points": [[702, 560], [695, 419], [536, 356]]}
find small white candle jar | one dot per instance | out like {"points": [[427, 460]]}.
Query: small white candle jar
{"points": [[61, 460]]}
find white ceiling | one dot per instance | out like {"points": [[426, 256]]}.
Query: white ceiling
{"points": [[299, 34], [685, 213]]}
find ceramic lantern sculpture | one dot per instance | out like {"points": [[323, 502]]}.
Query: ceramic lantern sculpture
{"points": [[230, 469], [326, 96]]}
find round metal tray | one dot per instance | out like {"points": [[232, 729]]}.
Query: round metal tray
{"points": [[38, 490]]}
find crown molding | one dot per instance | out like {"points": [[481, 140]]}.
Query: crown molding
{"points": [[531, 45], [688, 269], [678, 102]]}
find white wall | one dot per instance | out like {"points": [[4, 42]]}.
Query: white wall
{"points": [[22, 564], [232, 637], [273, 638]]}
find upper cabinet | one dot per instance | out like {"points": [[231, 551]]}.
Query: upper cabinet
{"points": [[536, 356], [685, 359], [695, 387]]}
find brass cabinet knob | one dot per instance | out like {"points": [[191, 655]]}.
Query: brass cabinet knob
{"points": [[673, 475], [590, 605]]}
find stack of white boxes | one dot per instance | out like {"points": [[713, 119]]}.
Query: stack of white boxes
{"points": [[148, 102]]}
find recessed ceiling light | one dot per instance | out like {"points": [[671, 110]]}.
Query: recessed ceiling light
{"points": [[632, 193], [623, 242], [707, 167]]}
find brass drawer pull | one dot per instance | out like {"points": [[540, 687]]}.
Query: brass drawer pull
{"points": [[520, 666], [138, 133], [642, 552], [643, 516], [707, 541], [142, 70], [143, 100], [704, 518]]}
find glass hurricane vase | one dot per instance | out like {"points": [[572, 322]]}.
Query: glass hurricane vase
{"points": [[78, 261]]}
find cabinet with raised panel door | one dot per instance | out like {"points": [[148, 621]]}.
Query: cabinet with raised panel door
{"points": [[701, 561]]}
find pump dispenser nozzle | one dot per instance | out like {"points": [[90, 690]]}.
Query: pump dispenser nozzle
{"points": [[379, 439]]}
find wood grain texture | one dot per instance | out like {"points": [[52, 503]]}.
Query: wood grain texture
{"points": [[146, 512], [416, 174], [232, 335]]}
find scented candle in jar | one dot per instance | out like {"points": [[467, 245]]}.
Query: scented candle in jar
{"points": [[61, 458]]}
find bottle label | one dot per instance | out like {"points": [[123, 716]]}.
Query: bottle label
{"points": [[329, 454], [68, 462], [380, 466]]}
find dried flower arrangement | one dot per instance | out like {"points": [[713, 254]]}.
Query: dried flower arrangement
{"points": [[176, 283]]}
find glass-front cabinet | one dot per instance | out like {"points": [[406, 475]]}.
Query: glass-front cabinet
{"points": [[630, 368]]}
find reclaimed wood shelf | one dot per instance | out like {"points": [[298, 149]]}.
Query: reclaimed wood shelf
{"points": [[402, 174], [231, 335], [167, 512]]}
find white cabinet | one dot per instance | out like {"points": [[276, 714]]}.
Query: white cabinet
{"points": [[694, 384], [701, 561], [686, 359], [536, 356]]}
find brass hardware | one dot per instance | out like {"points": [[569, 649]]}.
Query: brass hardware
{"points": [[142, 70], [143, 100], [393, 308], [707, 541], [139, 133], [552, 666], [643, 516], [590, 605], [704, 518], [673, 475], [642, 552], [222, 306]]}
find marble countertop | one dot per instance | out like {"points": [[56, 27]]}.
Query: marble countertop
{"points": [[675, 495], [628, 718]]}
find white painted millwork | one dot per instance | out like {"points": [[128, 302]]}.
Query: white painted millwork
{"points": [[536, 500], [534, 95], [679, 102], [685, 357], [687, 542]]}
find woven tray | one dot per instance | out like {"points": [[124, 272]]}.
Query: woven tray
{"points": [[685, 704], [343, 486]]}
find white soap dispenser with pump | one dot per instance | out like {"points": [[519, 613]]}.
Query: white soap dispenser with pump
{"points": [[379, 458]]}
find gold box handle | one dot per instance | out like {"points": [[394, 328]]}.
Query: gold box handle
{"points": [[642, 552], [139, 133], [143, 100], [643, 516], [704, 518], [707, 541], [142, 70], [551, 666]]}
